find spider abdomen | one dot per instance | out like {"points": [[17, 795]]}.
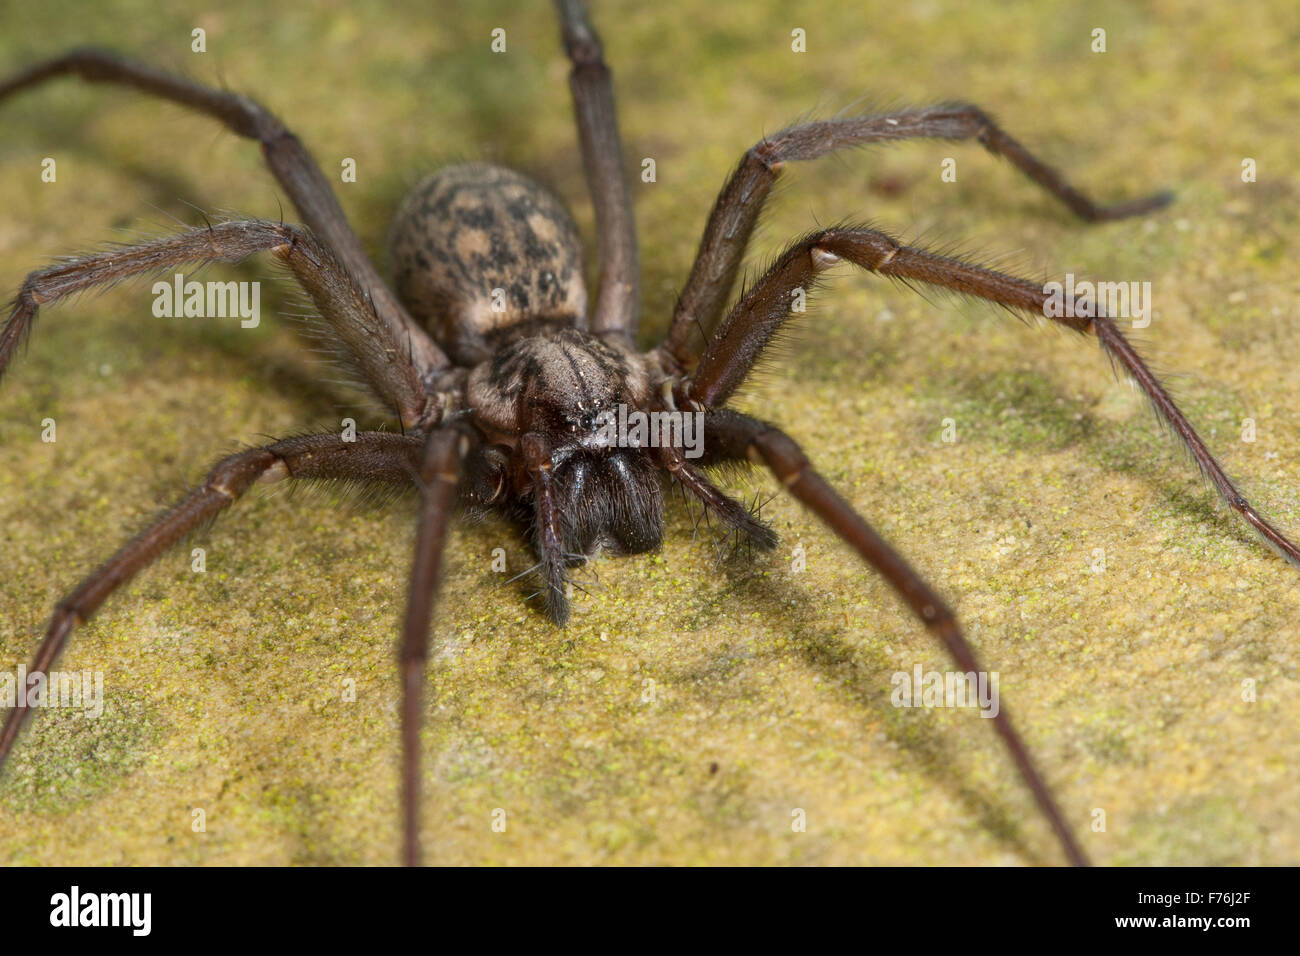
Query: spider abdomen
{"points": [[478, 249]]}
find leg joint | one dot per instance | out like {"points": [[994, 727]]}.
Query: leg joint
{"points": [[233, 476], [779, 452], [868, 248], [768, 154]]}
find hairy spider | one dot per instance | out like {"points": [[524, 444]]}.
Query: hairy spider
{"points": [[506, 382]]}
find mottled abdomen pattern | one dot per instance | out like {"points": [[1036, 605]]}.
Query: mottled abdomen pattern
{"points": [[478, 249]]}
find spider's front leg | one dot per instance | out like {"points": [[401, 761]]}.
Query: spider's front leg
{"points": [[747, 330], [740, 437], [374, 457], [737, 209], [538, 466], [445, 457], [761, 312]]}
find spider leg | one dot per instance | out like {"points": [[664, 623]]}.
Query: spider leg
{"points": [[742, 437], [760, 313], [737, 208], [288, 160], [733, 513], [618, 303], [440, 474], [373, 457], [341, 302], [550, 545]]}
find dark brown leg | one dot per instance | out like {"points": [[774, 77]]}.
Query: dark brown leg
{"points": [[742, 437], [756, 318], [379, 357], [550, 545], [375, 457], [444, 452], [738, 206], [618, 304], [733, 514], [287, 158]]}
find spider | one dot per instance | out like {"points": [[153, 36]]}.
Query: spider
{"points": [[505, 380]]}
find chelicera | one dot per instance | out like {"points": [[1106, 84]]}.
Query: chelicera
{"points": [[505, 375]]}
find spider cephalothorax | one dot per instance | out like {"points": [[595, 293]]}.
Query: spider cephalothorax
{"points": [[514, 389], [565, 386], [491, 263]]}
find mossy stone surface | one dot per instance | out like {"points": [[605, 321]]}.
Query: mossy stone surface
{"points": [[689, 711]]}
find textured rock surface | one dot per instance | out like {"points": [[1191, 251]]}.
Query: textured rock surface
{"points": [[771, 689]]}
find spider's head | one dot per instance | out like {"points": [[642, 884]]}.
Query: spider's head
{"points": [[571, 388], [564, 384]]}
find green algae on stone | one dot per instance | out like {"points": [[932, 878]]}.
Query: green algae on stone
{"points": [[689, 709], [71, 757]]}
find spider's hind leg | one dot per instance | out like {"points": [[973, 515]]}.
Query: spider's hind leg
{"points": [[618, 302], [286, 157], [449, 462]]}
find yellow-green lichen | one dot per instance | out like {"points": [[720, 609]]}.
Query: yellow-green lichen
{"points": [[691, 711]]}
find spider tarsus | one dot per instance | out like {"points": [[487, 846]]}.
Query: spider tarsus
{"points": [[1130, 208], [557, 606], [554, 593]]}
